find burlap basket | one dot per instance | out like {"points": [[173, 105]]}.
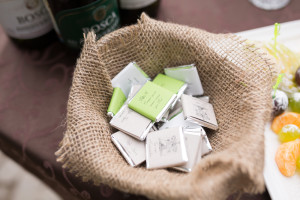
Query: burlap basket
{"points": [[236, 75]]}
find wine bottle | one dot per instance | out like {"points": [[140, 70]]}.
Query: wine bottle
{"points": [[72, 18], [130, 10], [27, 23]]}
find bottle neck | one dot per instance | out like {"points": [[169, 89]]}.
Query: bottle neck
{"points": [[135, 4]]}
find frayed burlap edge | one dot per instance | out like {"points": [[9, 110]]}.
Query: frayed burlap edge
{"points": [[235, 173]]}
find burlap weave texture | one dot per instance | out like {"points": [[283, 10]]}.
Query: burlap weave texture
{"points": [[236, 75]]}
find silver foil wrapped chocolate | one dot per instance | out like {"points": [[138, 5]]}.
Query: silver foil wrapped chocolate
{"points": [[132, 123], [166, 148], [133, 150], [199, 112], [193, 143]]}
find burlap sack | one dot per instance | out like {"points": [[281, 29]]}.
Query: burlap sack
{"points": [[235, 75]]}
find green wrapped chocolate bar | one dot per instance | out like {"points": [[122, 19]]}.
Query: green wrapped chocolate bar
{"points": [[117, 100], [152, 101], [169, 83]]}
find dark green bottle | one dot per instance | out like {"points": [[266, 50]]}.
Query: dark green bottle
{"points": [[131, 10], [27, 23], [73, 18]]}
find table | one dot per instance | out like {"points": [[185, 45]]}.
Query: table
{"points": [[34, 87]]}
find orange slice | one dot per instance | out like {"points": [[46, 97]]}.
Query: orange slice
{"points": [[284, 119], [286, 157]]}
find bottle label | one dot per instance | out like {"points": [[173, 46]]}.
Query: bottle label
{"points": [[24, 19], [135, 4], [101, 16]]}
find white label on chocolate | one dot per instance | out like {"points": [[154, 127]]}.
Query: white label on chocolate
{"points": [[178, 120], [135, 4], [189, 75], [133, 150], [204, 98], [132, 123], [24, 19], [129, 76], [165, 148], [198, 111]]}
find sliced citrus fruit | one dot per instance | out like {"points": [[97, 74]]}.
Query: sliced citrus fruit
{"points": [[286, 157], [284, 119], [298, 162]]}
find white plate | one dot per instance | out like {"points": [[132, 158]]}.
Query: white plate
{"points": [[279, 186]]}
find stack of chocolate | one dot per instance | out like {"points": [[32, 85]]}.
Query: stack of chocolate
{"points": [[161, 121]]}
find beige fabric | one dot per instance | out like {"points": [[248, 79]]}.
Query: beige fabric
{"points": [[235, 75]]}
